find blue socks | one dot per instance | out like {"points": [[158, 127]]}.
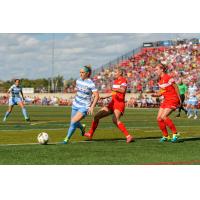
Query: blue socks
{"points": [[24, 113], [72, 129], [79, 125], [195, 111]]}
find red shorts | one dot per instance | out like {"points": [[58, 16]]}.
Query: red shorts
{"points": [[172, 104], [116, 105]]}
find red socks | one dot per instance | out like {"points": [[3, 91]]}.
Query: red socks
{"points": [[171, 125], [122, 128], [93, 127], [162, 127]]}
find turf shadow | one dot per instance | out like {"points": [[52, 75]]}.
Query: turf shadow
{"points": [[190, 139]]}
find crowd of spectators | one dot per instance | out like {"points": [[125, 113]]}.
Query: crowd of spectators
{"points": [[182, 60], [141, 101], [36, 100]]}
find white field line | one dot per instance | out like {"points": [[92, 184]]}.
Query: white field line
{"points": [[101, 128], [84, 141], [57, 143]]}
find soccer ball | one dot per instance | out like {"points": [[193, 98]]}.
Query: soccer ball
{"points": [[43, 138]]}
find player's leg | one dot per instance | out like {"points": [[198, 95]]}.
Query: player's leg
{"points": [[104, 112], [78, 116], [169, 122], [181, 106], [195, 111], [79, 125], [189, 109], [182, 102], [116, 120], [162, 126], [179, 111], [24, 112], [10, 107]]}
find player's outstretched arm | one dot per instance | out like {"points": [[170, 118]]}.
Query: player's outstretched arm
{"points": [[8, 93], [22, 95], [106, 96], [120, 90], [96, 98], [157, 94]]}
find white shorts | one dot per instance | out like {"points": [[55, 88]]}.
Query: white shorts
{"points": [[192, 101], [14, 101]]}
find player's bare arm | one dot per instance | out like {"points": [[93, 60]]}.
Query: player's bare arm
{"points": [[96, 98], [120, 90], [177, 91]]}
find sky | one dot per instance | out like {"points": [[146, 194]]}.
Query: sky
{"points": [[26, 55]]}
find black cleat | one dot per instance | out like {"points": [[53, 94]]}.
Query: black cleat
{"points": [[28, 120]]}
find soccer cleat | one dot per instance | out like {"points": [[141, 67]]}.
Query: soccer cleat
{"points": [[83, 129], [195, 117], [129, 139], [27, 119], [186, 112], [174, 138], [4, 119], [66, 140], [88, 135], [190, 116], [165, 139], [178, 115], [178, 135]]}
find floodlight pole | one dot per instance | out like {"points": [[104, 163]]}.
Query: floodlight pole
{"points": [[52, 64]]}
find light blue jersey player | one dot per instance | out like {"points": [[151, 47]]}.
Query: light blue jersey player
{"points": [[15, 99], [192, 102], [82, 104]]}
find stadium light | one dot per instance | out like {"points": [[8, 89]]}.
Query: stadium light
{"points": [[52, 64]]}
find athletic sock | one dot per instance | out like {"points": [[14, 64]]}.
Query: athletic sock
{"points": [[7, 114], [195, 111], [171, 125], [162, 127], [24, 113], [79, 125], [93, 127], [189, 111], [122, 128], [71, 129]]}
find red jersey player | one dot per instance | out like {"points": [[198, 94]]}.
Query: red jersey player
{"points": [[115, 107], [170, 92]]}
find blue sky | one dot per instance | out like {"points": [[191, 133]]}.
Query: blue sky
{"points": [[30, 55]]}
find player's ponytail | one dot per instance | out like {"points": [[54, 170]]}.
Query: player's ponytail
{"points": [[87, 69]]}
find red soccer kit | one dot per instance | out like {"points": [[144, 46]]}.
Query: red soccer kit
{"points": [[118, 99], [167, 89]]}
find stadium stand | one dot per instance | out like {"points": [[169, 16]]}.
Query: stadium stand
{"points": [[181, 56]]}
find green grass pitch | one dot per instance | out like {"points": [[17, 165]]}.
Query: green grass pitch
{"points": [[18, 139]]}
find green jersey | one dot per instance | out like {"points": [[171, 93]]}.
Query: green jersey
{"points": [[182, 88]]}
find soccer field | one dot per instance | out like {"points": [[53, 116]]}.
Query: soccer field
{"points": [[18, 140]]}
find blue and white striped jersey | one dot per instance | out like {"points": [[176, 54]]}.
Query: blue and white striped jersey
{"points": [[15, 90], [192, 91], [84, 93]]}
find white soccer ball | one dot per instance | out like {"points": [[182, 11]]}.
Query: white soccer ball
{"points": [[43, 138]]}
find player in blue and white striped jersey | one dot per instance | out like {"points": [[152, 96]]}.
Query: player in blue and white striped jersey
{"points": [[15, 99], [82, 103], [192, 102]]}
